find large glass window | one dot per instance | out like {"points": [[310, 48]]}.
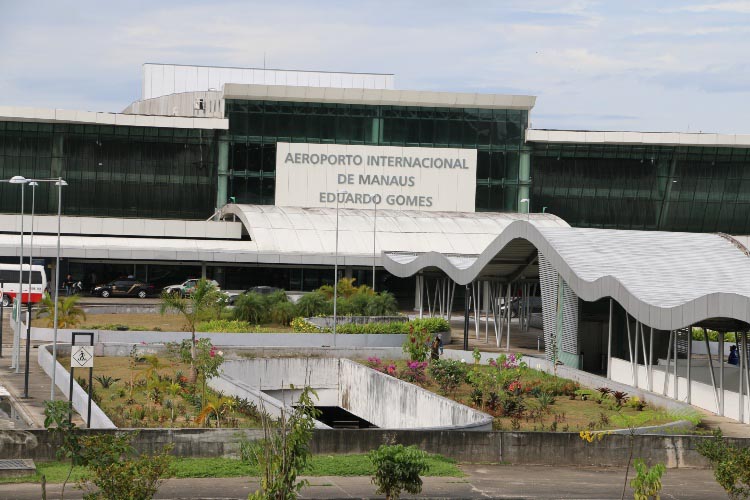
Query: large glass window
{"points": [[497, 134], [113, 171], [673, 188]]}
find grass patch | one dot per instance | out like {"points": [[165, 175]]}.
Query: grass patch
{"points": [[321, 465]]}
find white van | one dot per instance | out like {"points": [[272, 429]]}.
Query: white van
{"points": [[9, 283]]}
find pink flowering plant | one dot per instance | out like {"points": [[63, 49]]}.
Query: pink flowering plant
{"points": [[414, 372], [375, 363], [417, 344]]}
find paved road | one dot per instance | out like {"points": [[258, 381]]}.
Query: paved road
{"points": [[488, 481]]}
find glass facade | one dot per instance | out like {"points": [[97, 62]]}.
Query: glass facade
{"points": [[112, 171], [670, 188], [256, 126]]}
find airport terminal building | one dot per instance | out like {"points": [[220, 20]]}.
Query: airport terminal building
{"points": [[269, 177]]}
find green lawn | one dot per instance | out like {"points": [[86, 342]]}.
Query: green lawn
{"points": [[322, 465]]}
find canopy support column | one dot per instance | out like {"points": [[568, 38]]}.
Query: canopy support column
{"points": [[609, 343], [466, 317], [721, 373]]}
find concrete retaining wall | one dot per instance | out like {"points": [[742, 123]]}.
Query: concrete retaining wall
{"points": [[380, 399], [532, 448], [229, 339], [99, 419], [391, 403]]}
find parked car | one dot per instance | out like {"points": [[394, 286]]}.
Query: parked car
{"points": [[124, 287], [186, 288], [260, 290]]}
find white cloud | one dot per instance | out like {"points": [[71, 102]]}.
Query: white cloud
{"points": [[588, 61]]}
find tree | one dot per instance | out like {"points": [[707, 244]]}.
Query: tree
{"points": [[200, 305], [285, 449], [58, 421], [69, 315], [731, 465], [398, 467]]}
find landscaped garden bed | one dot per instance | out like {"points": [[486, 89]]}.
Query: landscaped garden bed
{"points": [[146, 390], [522, 399]]}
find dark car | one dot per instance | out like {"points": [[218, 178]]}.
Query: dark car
{"points": [[124, 287], [260, 290]]}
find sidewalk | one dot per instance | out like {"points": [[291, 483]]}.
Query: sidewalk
{"points": [[484, 481], [31, 409]]}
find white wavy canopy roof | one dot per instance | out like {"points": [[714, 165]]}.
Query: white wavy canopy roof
{"points": [[666, 280], [311, 232]]}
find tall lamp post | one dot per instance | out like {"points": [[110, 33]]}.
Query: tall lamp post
{"points": [[374, 233], [60, 182], [16, 359], [336, 267], [33, 184]]}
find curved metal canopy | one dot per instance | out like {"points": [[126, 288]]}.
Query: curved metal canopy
{"points": [[665, 280]]}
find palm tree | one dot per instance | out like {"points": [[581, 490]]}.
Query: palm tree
{"points": [[69, 314], [199, 305]]}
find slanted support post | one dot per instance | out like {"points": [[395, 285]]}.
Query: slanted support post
{"points": [[609, 343], [666, 366], [710, 367], [651, 360]]}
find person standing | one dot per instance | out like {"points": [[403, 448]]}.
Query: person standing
{"points": [[435, 349], [733, 359]]}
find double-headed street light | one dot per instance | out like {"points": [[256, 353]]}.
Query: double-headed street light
{"points": [[15, 360]]}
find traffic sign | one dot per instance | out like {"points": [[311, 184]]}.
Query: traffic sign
{"points": [[82, 356]]}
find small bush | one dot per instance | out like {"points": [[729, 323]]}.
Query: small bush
{"points": [[397, 468]]}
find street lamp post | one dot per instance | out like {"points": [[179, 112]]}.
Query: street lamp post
{"points": [[336, 268], [59, 183], [16, 359], [374, 233], [33, 185]]}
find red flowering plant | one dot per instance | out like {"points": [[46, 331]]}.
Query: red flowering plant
{"points": [[417, 344]]}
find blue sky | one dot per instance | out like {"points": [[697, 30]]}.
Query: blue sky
{"points": [[604, 65]]}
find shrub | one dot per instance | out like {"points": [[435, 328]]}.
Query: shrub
{"points": [[647, 482], [414, 372], [432, 325], [250, 307], [448, 374], [314, 304], [118, 472], [398, 468]]}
